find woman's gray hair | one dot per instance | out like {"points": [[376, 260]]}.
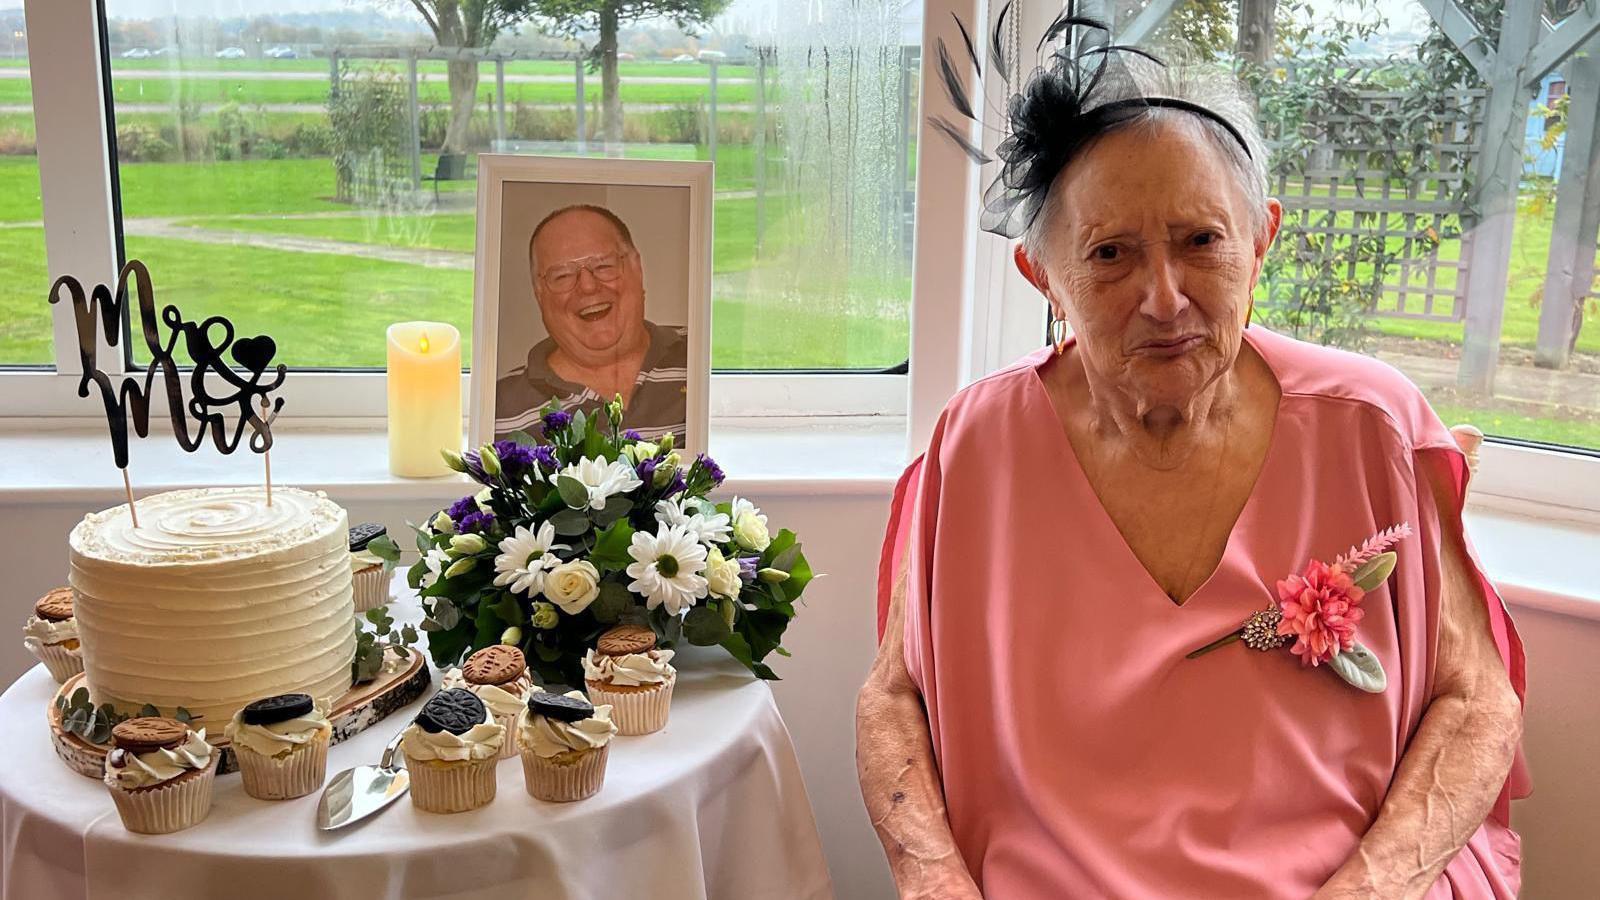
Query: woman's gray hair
{"points": [[1214, 89]]}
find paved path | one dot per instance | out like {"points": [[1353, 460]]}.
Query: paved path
{"points": [[423, 256], [318, 108], [300, 75], [1518, 384]]}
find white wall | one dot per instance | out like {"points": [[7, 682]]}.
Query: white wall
{"points": [[833, 642]]}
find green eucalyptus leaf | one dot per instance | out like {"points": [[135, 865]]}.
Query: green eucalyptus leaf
{"points": [[523, 438], [1375, 571], [75, 719], [446, 614], [634, 615], [430, 625], [149, 710], [704, 627], [1360, 668], [384, 548], [80, 697], [408, 636], [100, 732], [184, 716], [571, 522], [547, 653], [615, 509], [573, 493]]}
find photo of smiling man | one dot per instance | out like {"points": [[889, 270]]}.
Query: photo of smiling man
{"points": [[587, 280]]}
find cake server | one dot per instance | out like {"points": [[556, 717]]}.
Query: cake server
{"points": [[354, 794]]}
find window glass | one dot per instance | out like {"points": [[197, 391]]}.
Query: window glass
{"points": [[275, 168], [1395, 241], [25, 334]]}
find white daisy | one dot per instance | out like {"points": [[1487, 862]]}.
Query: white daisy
{"points": [[525, 557], [600, 478], [435, 561], [668, 568], [713, 528]]}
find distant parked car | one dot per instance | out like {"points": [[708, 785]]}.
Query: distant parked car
{"points": [[709, 55], [282, 53], [625, 57], [164, 51], [136, 53], [230, 53], [683, 58]]}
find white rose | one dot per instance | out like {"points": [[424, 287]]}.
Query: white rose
{"points": [[572, 586], [750, 532], [722, 574]]}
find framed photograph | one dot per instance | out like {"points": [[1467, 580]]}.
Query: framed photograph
{"points": [[592, 278]]}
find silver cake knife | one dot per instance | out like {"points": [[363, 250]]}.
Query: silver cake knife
{"points": [[354, 794]]}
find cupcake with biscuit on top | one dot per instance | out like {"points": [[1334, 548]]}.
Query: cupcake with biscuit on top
{"points": [[565, 742], [626, 672], [160, 774], [51, 635], [499, 676], [282, 746], [368, 579], [451, 750]]}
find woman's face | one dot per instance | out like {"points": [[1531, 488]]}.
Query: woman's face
{"points": [[1150, 254]]}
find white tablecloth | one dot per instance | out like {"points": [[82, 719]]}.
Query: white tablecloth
{"points": [[712, 806]]}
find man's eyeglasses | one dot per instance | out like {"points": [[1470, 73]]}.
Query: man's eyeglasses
{"points": [[564, 277]]}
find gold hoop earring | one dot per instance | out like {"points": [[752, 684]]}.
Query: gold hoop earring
{"points": [[1250, 313], [1058, 334]]}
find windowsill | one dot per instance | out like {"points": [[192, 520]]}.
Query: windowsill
{"points": [[1541, 557]]}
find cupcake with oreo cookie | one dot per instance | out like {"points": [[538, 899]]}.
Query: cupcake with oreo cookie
{"points": [[451, 750], [366, 570], [51, 634], [160, 774], [282, 746], [498, 675], [565, 742], [626, 672]]}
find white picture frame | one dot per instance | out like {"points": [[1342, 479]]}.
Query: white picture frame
{"points": [[517, 192]]}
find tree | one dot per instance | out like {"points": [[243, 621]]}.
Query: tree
{"points": [[467, 25], [604, 17]]}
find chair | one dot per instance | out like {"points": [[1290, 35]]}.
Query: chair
{"points": [[450, 167]]}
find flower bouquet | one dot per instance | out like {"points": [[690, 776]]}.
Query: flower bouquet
{"points": [[590, 526]]}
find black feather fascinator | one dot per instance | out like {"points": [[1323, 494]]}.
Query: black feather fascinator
{"points": [[1082, 89]]}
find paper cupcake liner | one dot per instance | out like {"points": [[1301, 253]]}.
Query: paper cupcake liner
{"points": [[636, 712], [169, 807], [371, 588], [295, 775], [61, 662], [548, 780], [508, 746], [453, 787]]}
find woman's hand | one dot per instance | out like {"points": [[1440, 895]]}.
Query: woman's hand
{"points": [[899, 780]]}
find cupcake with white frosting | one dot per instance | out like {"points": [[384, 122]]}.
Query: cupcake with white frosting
{"points": [[51, 634], [626, 672], [367, 576], [160, 774], [498, 675], [565, 742], [450, 750], [282, 746]]}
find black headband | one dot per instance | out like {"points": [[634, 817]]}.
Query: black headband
{"points": [[1051, 118]]}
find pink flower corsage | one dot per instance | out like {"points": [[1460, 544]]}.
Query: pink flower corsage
{"points": [[1318, 610]]}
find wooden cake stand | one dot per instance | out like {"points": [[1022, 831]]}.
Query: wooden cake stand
{"points": [[364, 705]]}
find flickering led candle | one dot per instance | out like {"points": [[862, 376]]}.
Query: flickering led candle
{"points": [[424, 397]]}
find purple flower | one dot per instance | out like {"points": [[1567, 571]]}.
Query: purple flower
{"points": [[711, 467], [632, 435], [557, 420], [544, 455], [747, 568], [514, 457], [676, 485], [646, 469], [475, 521], [462, 508], [475, 466]]}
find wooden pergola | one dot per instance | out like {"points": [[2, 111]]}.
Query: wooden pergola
{"points": [[1529, 47]]}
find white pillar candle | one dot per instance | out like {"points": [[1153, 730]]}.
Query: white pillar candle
{"points": [[424, 397]]}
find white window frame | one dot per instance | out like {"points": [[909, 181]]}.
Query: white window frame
{"points": [[74, 174]]}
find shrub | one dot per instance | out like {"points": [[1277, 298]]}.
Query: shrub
{"points": [[137, 142]]}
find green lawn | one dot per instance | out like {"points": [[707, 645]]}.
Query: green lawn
{"points": [[1551, 431], [638, 68], [248, 92], [24, 308]]}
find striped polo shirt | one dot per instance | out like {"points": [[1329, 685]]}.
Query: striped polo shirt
{"points": [[660, 393]]}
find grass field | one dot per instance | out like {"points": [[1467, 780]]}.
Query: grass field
{"points": [[625, 69]]}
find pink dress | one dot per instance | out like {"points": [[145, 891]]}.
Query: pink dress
{"points": [[1081, 754]]}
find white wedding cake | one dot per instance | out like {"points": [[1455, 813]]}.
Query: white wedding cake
{"points": [[215, 600]]}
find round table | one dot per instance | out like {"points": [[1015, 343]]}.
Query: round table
{"points": [[711, 806]]}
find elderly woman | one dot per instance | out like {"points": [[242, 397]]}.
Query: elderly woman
{"points": [[1037, 723]]}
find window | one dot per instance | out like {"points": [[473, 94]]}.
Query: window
{"points": [[1393, 244], [25, 329], [310, 174]]}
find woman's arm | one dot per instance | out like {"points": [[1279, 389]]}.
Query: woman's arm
{"points": [[1463, 749], [899, 780]]}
